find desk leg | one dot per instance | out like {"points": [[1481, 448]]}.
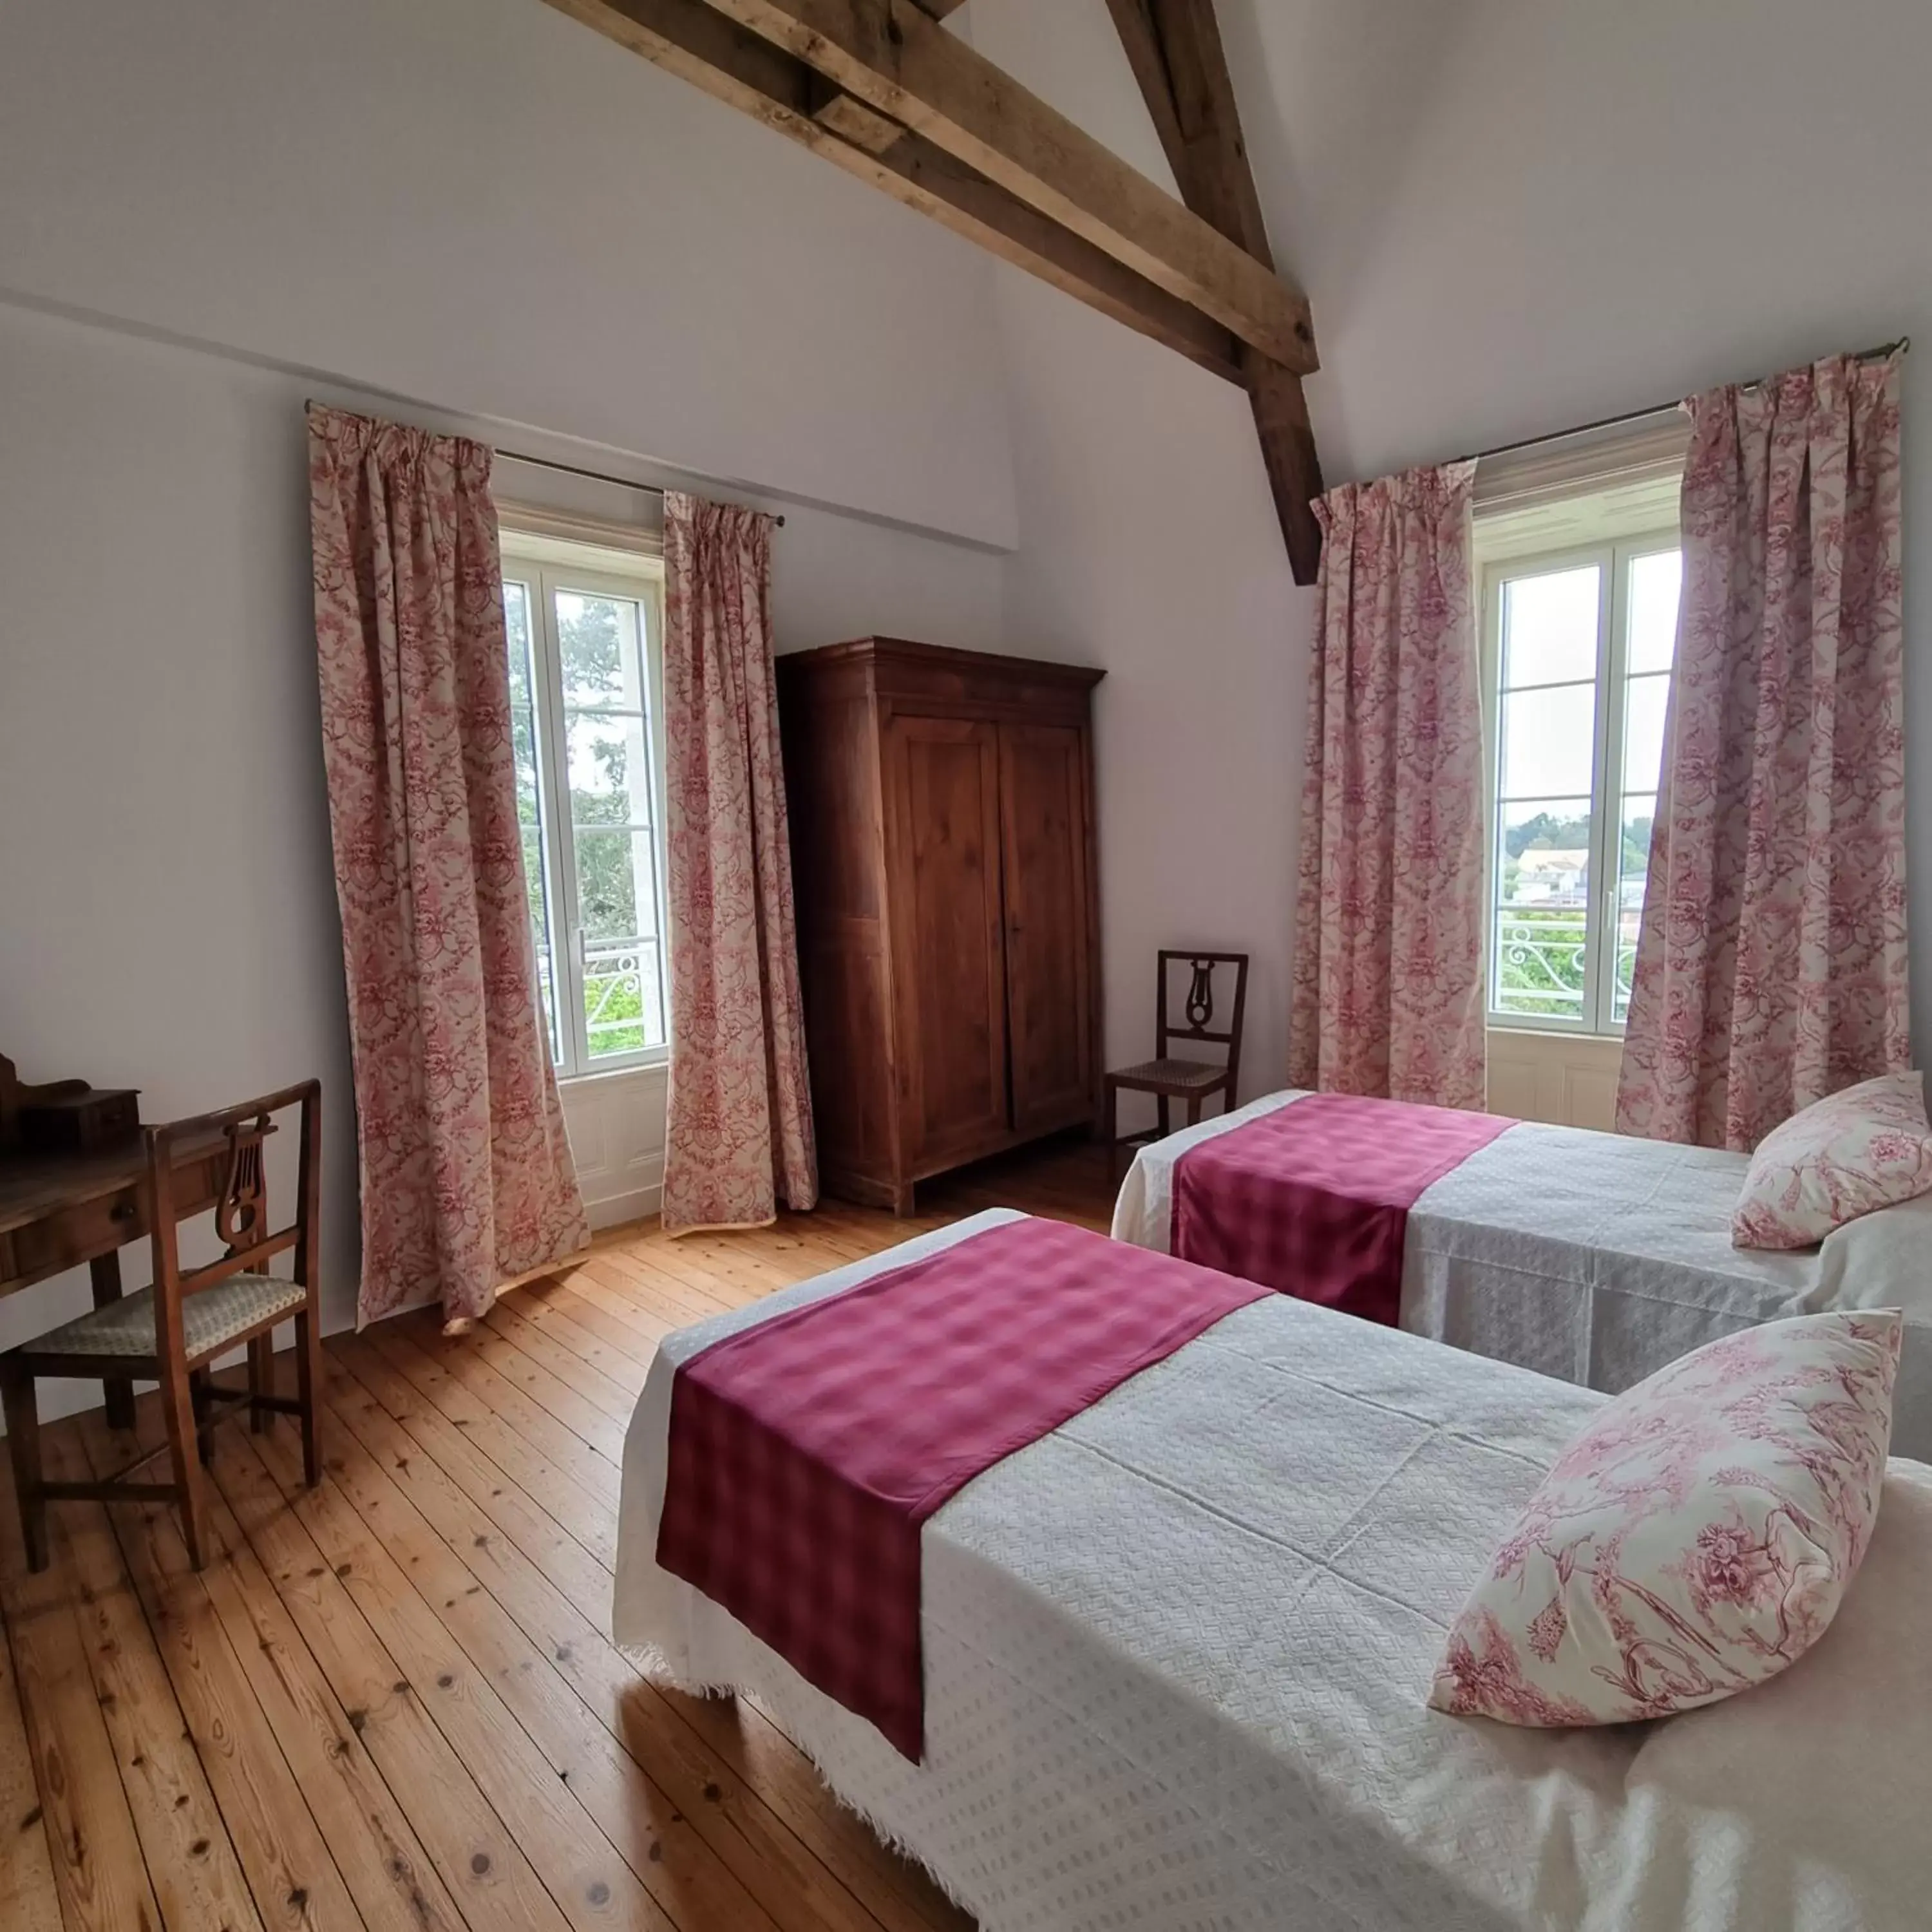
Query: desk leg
{"points": [[105, 1271]]}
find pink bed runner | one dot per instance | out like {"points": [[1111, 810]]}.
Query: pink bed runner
{"points": [[804, 1452], [1313, 1199]]}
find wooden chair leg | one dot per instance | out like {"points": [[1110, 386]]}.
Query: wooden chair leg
{"points": [[23, 1444], [1161, 1111], [203, 1404], [178, 1410], [308, 1388], [1111, 1133], [117, 1391], [261, 1381], [1194, 1110]]}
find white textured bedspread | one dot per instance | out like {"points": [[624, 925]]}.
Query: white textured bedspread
{"points": [[1176, 1654], [1598, 1257]]}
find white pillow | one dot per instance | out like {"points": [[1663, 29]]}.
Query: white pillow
{"points": [[1867, 1147], [1696, 1539]]}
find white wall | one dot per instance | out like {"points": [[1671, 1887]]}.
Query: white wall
{"points": [[164, 833], [1149, 544], [483, 206], [472, 214]]}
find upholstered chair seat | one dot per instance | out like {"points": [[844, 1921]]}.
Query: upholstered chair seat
{"points": [[210, 1320]]}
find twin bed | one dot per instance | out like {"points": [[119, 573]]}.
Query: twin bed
{"points": [[1596, 1258], [1176, 1649]]}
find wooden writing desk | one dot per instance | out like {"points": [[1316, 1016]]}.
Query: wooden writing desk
{"points": [[58, 1210]]}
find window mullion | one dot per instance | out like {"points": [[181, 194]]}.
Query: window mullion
{"points": [[1593, 978], [1604, 888], [519, 572], [1492, 689], [651, 646], [560, 834]]}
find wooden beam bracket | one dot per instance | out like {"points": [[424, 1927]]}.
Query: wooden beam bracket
{"points": [[851, 120]]}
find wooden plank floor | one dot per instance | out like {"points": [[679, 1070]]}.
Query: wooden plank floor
{"points": [[392, 1701]]}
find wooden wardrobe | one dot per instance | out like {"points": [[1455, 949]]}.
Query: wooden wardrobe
{"points": [[943, 850]]}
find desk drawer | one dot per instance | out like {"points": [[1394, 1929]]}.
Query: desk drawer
{"points": [[75, 1234]]}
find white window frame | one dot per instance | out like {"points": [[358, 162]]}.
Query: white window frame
{"points": [[1613, 557], [544, 565]]}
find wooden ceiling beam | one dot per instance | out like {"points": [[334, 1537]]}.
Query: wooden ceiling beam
{"points": [[689, 38], [1175, 48], [893, 56]]}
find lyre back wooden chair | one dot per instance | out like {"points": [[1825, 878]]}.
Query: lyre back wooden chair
{"points": [[1170, 1077], [171, 1332]]}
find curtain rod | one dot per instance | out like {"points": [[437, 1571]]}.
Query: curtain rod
{"points": [[592, 475], [563, 469], [1900, 347]]}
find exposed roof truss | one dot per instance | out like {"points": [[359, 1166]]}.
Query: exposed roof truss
{"points": [[878, 87]]}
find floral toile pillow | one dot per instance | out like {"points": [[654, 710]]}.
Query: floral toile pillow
{"points": [[1867, 1147], [1696, 1539]]}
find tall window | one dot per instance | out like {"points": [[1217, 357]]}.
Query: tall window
{"points": [[586, 659], [1577, 651]]}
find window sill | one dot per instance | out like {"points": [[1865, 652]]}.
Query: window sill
{"points": [[655, 1068], [1568, 1035]]}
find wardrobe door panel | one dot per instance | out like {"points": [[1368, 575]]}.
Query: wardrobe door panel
{"points": [[948, 944], [1046, 855], [832, 777]]}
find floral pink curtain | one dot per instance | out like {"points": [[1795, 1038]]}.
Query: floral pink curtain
{"points": [[1771, 967], [740, 1131], [467, 1177], [1388, 957]]}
